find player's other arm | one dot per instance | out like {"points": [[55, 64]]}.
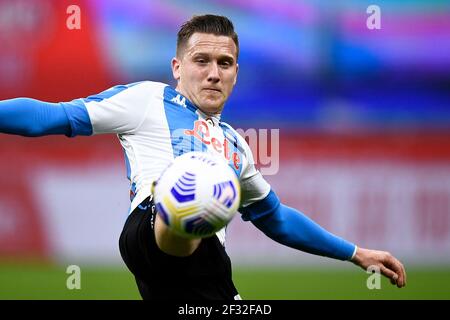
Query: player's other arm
{"points": [[34, 118], [119, 110], [292, 228]]}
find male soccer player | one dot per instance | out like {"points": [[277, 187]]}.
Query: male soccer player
{"points": [[156, 123]]}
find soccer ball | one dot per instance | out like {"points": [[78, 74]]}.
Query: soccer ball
{"points": [[197, 194]]}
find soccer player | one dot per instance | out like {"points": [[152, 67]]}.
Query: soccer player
{"points": [[156, 123]]}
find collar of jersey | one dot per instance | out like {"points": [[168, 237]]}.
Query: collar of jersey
{"points": [[195, 109], [215, 118]]}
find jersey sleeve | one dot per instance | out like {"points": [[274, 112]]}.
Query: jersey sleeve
{"points": [[33, 118], [253, 185], [120, 109]]}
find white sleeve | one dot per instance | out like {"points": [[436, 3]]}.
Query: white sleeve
{"points": [[253, 185], [120, 109]]}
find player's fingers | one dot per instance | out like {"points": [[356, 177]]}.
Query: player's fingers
{"points": [[402, 281], [389, 274], [403, 273], [399, 269]]}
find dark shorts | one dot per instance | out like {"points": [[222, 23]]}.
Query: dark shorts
{"points": [[204, 275]]}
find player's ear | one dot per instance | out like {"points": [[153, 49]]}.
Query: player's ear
{"points": [[176, 68], [235, 77]]}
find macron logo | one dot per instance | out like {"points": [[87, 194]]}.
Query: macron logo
{"points": [[179, 100]]}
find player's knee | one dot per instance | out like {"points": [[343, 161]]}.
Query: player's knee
{"points": [[171, 243]]}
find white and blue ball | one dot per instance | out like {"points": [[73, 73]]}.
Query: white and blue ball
{"points": [[197, 194]]}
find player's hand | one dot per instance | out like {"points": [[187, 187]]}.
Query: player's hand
{"points": [[389, 266]]}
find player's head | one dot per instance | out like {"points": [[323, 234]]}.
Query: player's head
{"points": [[205, 65]]}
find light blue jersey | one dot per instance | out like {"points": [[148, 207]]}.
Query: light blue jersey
{"points": [[155, 124]]}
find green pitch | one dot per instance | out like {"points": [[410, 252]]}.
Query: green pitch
{"points": [[351, 283], [41, 281]]}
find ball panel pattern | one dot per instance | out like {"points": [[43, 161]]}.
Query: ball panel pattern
{"points": [[184, 188]]}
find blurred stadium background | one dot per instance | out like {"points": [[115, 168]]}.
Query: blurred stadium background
{"points": [[364, 119]]}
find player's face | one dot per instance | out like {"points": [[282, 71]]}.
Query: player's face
{"points": [[206, 70]]}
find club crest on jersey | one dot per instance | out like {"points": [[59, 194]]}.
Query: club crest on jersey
{"points": [[202, 133], [181, 101]]}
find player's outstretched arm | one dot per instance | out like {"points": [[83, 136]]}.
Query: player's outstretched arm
{"points": [[33, 118], [389, 266], [292, 228]]}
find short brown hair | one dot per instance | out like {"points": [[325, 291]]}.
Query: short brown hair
{"points": [[208, 23]]}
